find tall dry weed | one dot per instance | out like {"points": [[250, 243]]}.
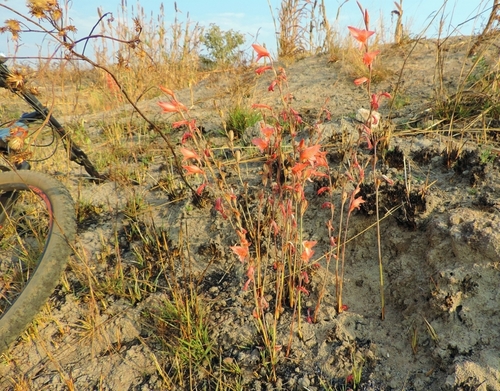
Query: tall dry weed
{"points": [[302, 28]]}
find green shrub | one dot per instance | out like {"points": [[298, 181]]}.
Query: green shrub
{"points": [[222, 46]]}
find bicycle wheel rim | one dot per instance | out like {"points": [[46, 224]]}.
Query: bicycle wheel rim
{"points": [[34, 247]]}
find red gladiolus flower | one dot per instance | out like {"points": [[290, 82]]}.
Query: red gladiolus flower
{"points": [[309, 317], [261, 70], [297, 168], [313, 173], [376, 98], [261, 144], [296, 115], [321, 160], [308, 251], [250, 275], [241, 252], [282, 73], [264, 305], [367, 131], [178, 124], [328, 114], [356, 203], [113, 87], [374, 102], [220, 208], [360, 35], [190, 124], [180, 106], [369, 144], [186, 136], [369, 57], [188, 154], [367, 19], [309, 153], [272, 85], [261, 52], [323, 189], [243, 237], [261, 106], [172, 107], [193, 170], [267, 131], [168, 107], [360, 81], [275, 227], [167, 91], [200, 188], [303, 290]]}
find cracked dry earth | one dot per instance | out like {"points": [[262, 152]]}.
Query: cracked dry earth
{"points": [[441, 250]]}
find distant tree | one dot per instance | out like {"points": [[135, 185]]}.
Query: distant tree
{"points": [[222, 46]]}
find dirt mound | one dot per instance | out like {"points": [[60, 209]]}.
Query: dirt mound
{"points": [[440, 244]]}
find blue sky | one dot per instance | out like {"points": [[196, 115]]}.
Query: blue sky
{"points": [[254, 17]]}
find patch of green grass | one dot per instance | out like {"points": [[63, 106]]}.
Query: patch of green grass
{"points": [[486, 156], [400, 101], [135, 206], [86, 210], [180, 325], [79, 133], [239, 119]]}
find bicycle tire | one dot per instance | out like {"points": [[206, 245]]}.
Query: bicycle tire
{"points": [[31, 266]]}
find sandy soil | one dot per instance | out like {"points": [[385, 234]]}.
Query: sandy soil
{"points": [[441, 250]]}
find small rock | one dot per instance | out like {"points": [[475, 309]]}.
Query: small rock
{"points": [[308, 334], [214, 289], [255, 356], [362, 115], [304, 383], [257, 385]]}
